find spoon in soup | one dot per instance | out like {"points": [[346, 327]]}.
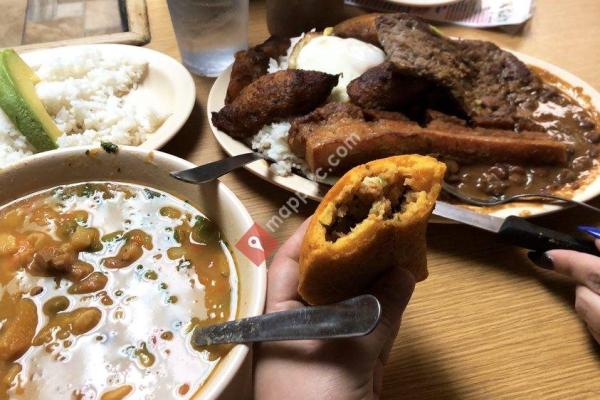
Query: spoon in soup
{"points": [[211, 171], [357, 316]]}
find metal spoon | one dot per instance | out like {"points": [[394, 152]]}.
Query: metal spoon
{"points": [[211, 171], [357, 316], [494, 201]]}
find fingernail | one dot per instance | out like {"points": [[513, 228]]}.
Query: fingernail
{"points": [[590, 230], [542, 260]]}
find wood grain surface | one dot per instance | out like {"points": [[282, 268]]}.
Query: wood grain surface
{"points": [[487, 324]]}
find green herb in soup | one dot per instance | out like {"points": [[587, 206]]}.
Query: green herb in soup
{"points": [[100, 287], [109, 147]]}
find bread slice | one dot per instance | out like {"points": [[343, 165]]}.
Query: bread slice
{"points": [[374, 218]]}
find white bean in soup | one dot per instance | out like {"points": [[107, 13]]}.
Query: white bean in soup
{"points": [[101, 285]]}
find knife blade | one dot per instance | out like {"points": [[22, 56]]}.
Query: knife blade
{"points": [[516, 230]]}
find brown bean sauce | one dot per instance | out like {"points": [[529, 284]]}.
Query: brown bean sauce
{"points": [[563, 118]]}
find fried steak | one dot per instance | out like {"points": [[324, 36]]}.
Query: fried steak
{"points": [[489, 86]]}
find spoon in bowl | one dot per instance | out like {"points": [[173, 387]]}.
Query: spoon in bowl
{"points": [[357, 316], [211, 171]]}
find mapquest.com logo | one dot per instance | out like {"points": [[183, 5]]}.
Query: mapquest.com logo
{"points": [[257, 244]]}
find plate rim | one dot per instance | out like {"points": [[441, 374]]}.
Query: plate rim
{"points": [[301, 186]]}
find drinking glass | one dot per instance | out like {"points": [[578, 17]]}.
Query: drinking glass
{"points": [[209, 32]]}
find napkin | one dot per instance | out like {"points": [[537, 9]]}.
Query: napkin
{"points": [[471, 13]]}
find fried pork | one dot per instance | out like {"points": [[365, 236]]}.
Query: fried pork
{"points": [[336, 138]]}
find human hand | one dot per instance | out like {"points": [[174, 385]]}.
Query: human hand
{"points": [[319, 369], [585, 270]]}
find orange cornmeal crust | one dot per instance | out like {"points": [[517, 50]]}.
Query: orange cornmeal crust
{"points": [[334, 271]]}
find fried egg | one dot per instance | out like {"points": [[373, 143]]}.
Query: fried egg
{"points": [[334, 55]]}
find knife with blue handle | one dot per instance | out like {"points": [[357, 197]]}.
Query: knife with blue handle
{"points": [[516, 230]]}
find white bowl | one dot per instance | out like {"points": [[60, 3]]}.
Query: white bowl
{"points": [[151, 168]]}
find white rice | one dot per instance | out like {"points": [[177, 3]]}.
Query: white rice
{"points": [[13, 145], [92, 99], [272, 141]]}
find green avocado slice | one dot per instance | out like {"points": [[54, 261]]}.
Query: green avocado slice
{"points": [[21, 103]]}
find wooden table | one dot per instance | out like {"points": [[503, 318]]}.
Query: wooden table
{"points": [[486, 324]]}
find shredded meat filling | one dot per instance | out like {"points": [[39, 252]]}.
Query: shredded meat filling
{"points": [[374, 196]]}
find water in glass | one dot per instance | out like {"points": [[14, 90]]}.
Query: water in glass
{"points": [[209, 32]]}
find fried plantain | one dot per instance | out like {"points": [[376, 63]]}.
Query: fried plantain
{"points": [[363, 28], [275, 46], [272, 97], [253, 63]]}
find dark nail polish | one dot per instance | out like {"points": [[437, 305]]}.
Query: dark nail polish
{"points": [[590, 230], [542, 260]]}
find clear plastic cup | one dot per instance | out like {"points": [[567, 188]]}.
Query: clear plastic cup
{"points": [[209, 32]]}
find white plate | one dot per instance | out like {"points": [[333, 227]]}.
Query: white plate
{"points": [[168, 86], [424, 3], [315, 191]]}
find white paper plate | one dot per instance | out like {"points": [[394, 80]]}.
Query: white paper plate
{"points": [[168, 86], [316, 191], [424, 3]]}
